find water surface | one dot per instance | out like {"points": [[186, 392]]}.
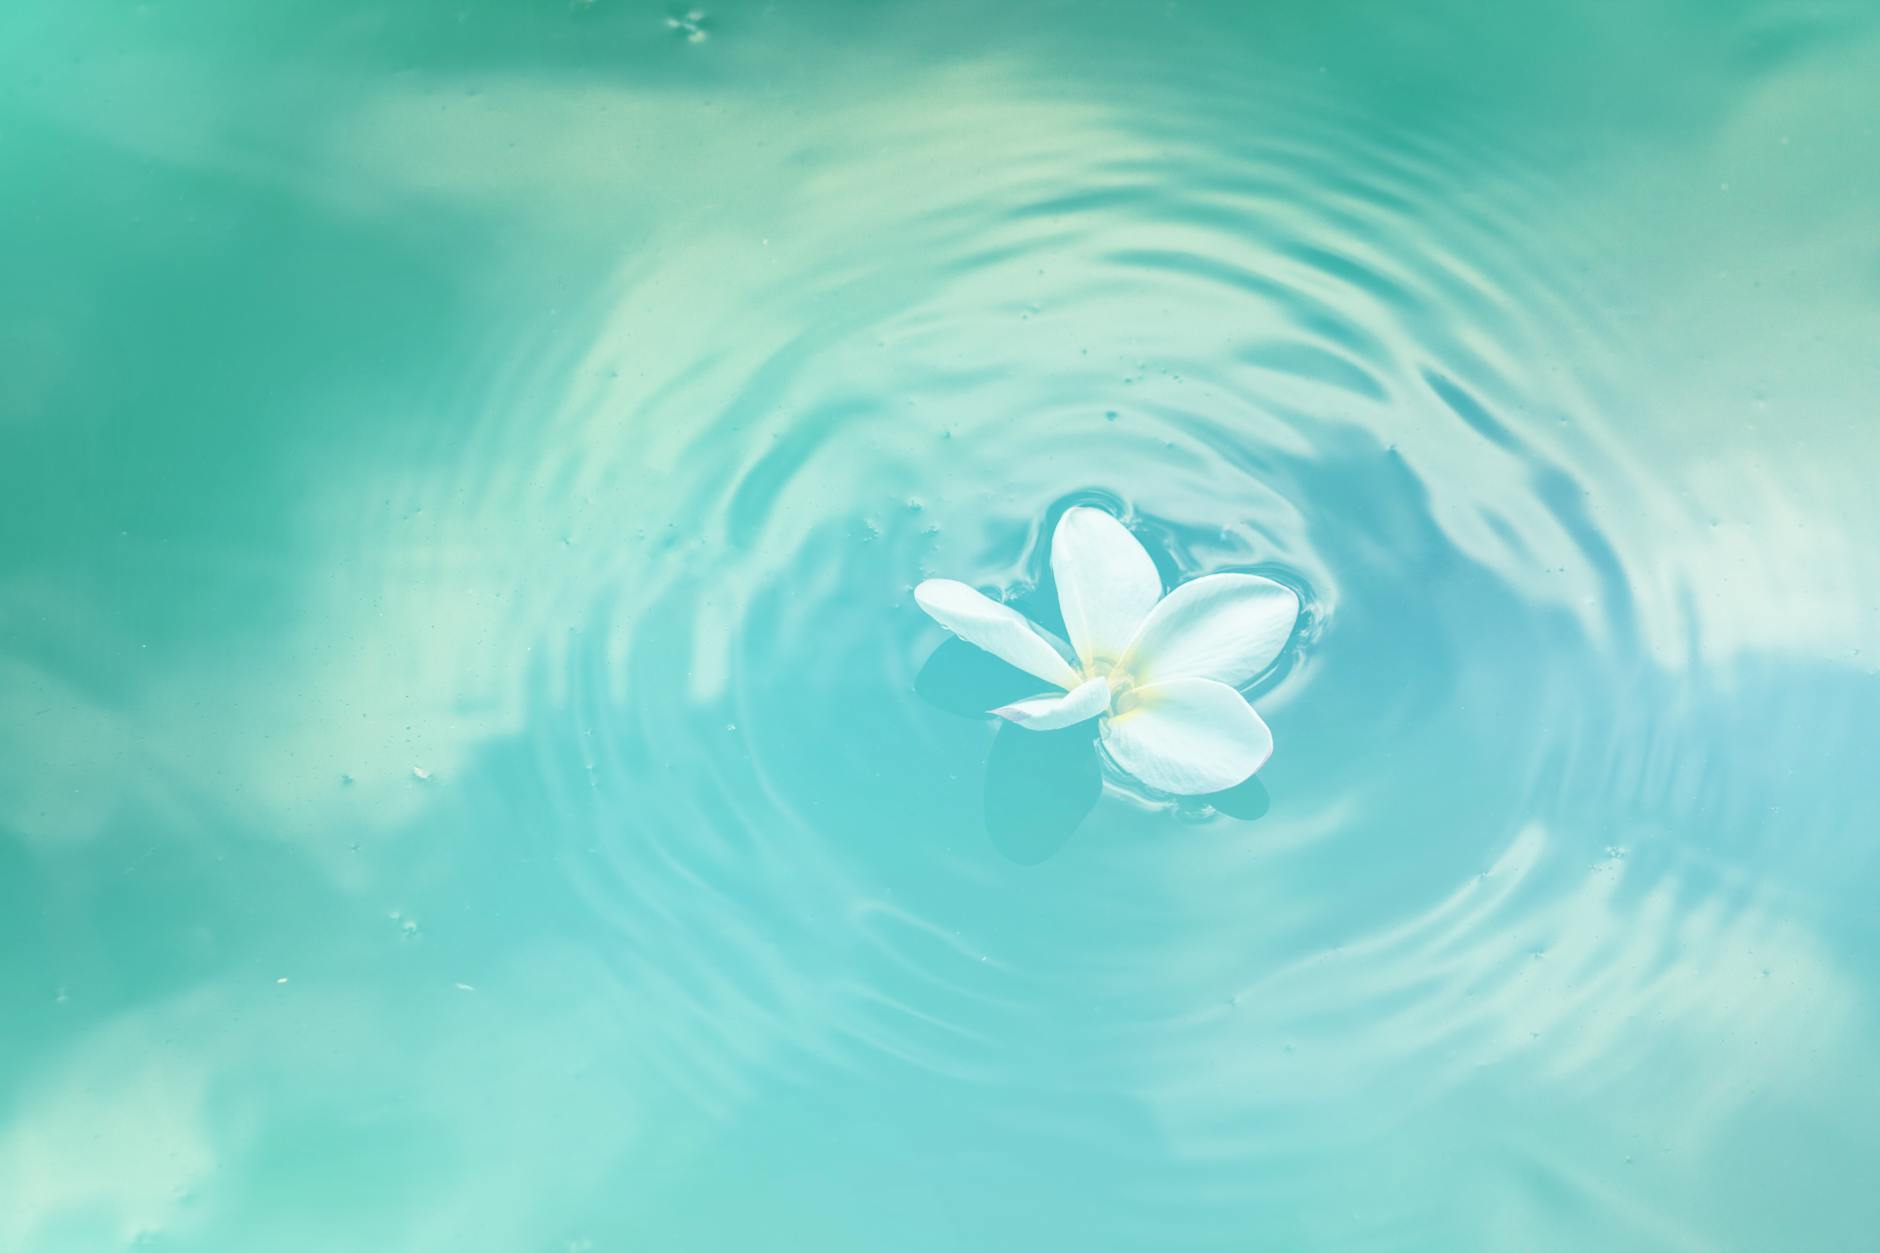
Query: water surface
{"points": [[464, 783]]}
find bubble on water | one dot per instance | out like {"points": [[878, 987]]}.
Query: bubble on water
{"points": [[421, 774]]}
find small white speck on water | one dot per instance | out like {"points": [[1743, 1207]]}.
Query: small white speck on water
{"points": [[692, 25], [281, 980], [421, 774], [464, 987]]}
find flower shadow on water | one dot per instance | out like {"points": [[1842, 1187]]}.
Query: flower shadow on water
{"points": [[1040, 785]]}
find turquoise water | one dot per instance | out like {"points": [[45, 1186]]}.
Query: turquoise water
{"points": [[473, 775]]}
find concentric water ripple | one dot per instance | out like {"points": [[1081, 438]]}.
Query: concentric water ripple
{"points": [[1334, 357], [613, 652]]}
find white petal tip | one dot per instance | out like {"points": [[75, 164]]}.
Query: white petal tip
{"points": [[1053, 712], [995, 627]]}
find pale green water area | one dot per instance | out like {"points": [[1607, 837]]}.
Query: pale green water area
{"points": [[473, 775]]}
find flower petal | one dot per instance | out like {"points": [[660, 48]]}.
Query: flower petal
{"points": [[999, 629], [967, 681], [1052, 712], [1188, 736], [1106, 583], [1225, 627]]}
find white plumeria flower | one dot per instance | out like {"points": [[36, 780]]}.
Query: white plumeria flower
{"points": [[1160, 671]]}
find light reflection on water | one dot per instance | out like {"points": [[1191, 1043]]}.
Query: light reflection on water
{"points": [[532, 557]]}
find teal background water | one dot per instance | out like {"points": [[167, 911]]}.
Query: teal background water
{"points": [[463, 467]]}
